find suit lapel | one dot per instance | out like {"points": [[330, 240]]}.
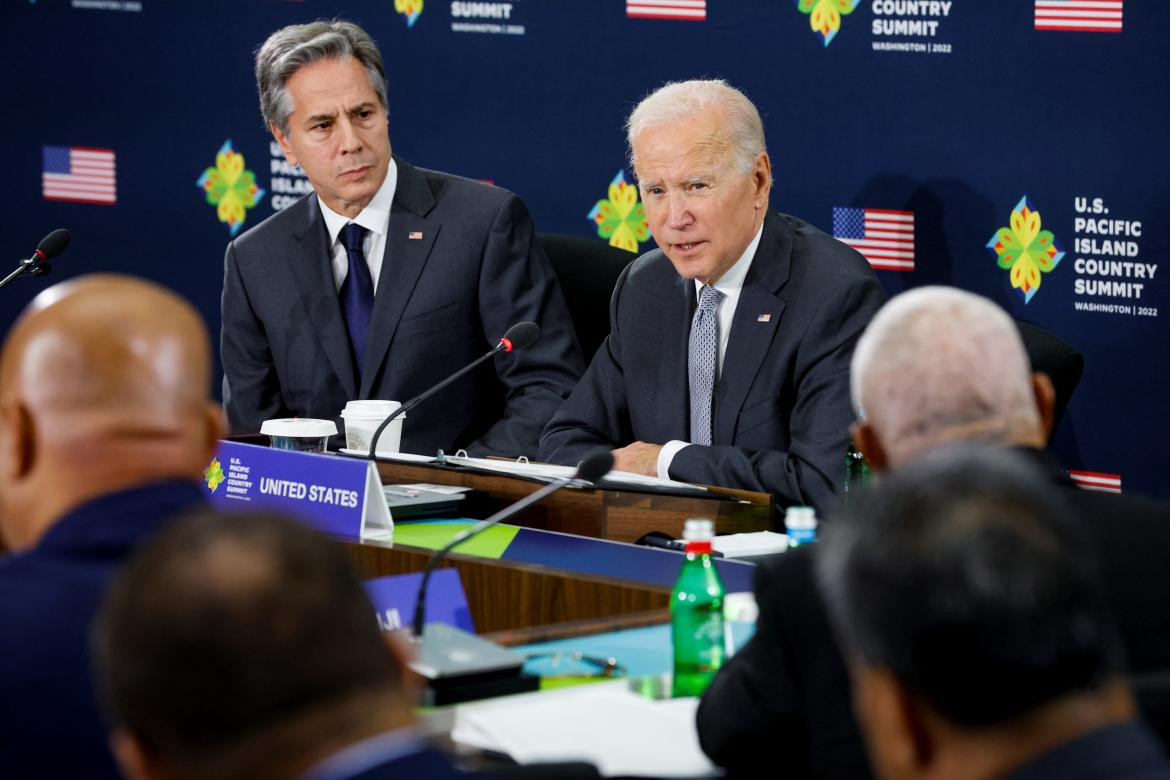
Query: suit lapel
{"points": [[677, 308], [754, 326], [312, 267], [401, 265]]}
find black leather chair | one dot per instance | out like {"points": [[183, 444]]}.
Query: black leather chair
{"points": [[587, 269], [1062, 362]]}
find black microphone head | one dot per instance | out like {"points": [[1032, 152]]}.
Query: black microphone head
{"points": [[53, 244], [595, 465], [521, 335]]}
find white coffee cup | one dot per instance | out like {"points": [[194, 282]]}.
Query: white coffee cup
{"points": [[298, 433], [362, 418]]}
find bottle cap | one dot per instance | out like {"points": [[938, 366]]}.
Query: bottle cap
{"points": [[698, 530], [800, 517]]}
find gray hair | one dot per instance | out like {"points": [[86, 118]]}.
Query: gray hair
{"points": [[291, 48], [680, 100], [938, 364]]}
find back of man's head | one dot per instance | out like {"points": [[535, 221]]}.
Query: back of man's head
{"points": [[938, 364], [243, 646], [960, 578], [104, 383]]}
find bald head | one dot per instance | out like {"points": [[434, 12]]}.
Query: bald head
{"points": [[104, 383], [937, 365]]}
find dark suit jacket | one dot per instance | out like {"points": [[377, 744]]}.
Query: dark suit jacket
{"points": [[786, 692], [49, 722], [1121, 752], [442, 300], [782, 408]]}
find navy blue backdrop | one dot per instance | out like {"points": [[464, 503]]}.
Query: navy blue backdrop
{"points": [[1025, 153]]}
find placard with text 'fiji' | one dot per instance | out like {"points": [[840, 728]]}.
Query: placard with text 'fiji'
{"points": [[341, 496]]}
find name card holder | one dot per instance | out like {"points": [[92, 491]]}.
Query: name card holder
{"points": [[394, 598], [339, 496]]}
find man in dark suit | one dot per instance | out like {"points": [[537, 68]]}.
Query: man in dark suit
{"points": [[977, 630], [728, 354], [935, 366], [106, 422], [389, 277], [244, 647]]}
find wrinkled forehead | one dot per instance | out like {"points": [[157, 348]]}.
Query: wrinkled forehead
{"points": [[681, 150]]}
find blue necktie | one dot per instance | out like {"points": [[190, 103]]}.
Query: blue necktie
{"points": [[702, 358], [357, 291]]}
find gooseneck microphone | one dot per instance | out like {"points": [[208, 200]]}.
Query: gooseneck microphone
{"points": [[594, 466], [518, 336], [38, 263]]}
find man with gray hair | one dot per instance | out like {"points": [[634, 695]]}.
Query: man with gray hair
{"points": [[728, 354], [914, 387], [389, 277], [936, 366]]}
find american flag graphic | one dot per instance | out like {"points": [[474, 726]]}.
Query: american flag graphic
{"points": [[78, 174], [1079, 15], [1093, 480], [885, 237], [694, 10]]}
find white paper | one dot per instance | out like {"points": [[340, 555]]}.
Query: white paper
{"points": [[548, 472], [618, 731]]}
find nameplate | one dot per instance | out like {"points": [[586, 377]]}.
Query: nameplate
{"points": [[340, 496], [394, 599]]}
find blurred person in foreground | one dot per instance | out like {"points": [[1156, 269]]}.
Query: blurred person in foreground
{"points": [[106, 423], [937, 365], [977, 629], [727, 361], [244, 647]]}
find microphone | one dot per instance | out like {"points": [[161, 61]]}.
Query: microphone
{"points": [[459, 666], [593, 467], [519, 336], [38, 263]]}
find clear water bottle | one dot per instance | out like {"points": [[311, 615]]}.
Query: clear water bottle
{"points": [[800, 523], [696, 614]]}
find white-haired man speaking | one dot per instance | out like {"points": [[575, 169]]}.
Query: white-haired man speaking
{"points": [[728, 356]]}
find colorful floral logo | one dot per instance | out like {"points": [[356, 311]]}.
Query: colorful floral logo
{"points": [[230, 187], [411, 9], [1026, 249], [824, 16], [620, 217], [213, 475]]}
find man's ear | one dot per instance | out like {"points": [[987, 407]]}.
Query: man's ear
{"points": [[18, 449], [866, 441], [899, 743], [1045, 395], [213, 429], [762, 180], [404, 653], [134, 760], [285, 146]]}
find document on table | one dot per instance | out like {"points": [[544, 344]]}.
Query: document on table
{"points": [[548, 472], [606, 724]]}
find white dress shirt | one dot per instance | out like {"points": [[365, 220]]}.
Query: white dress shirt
{"points": [[730, 284], [375, 218]]}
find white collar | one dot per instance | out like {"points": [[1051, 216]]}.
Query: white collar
{"points": [[732, 279], [375, 217]]}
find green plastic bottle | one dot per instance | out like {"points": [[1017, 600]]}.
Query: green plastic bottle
{"points": [[857, 472], [696, 614]]}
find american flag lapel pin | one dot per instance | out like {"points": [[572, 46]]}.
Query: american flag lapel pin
{"points": [[764, 318], [414, 235]]}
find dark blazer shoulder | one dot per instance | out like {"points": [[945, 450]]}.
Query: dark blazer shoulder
{"points": [[817, 256], [286, 224]]}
